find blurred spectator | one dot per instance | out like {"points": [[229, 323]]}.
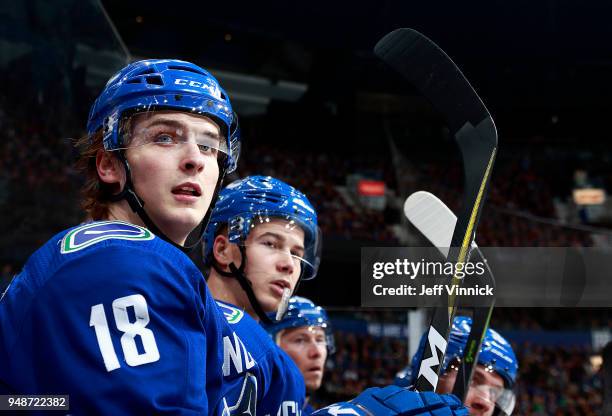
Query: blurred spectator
{"points": [[318, 174], [557, 381]]}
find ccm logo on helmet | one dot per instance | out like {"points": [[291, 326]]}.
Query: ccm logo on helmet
{"points": [[214, 91]]}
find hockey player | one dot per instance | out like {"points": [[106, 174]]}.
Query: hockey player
{"points": [[112, 312], [491, 390], [262, 239], [305, 334]]}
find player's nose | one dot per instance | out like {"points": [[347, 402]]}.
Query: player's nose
{"points": [[284, 263], [314, 352], [479, 405], [191, 158]]}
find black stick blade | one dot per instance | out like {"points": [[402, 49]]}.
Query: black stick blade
{"points": [[434, 74]]}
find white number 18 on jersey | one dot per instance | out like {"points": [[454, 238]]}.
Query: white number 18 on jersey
{"points": [[130, 330]]}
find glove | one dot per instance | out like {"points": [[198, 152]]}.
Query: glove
{"points": [[397, 401]]}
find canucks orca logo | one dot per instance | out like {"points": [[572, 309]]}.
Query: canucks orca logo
{"points": [[233, 315], [247, 402], [89, 234]]}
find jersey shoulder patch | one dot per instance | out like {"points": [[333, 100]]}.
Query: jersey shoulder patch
{"points": [[92, 233], [232, 314]]}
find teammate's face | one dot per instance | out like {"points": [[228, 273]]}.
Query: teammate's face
{"points": [[273, 260], [176, 182], [307, 346], [483, 390]]}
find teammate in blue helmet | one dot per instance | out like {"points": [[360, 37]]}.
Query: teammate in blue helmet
{"points": [[112, 312], [305, 334], [492, 387], [262, 240]]}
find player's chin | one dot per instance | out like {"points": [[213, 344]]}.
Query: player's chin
{"points": [[313, 382], [178, 222], [269, 302], [312, 387], [270, 306], [265, 299], [188, 217]]}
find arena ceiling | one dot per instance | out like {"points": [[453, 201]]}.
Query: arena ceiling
{"points": [[547, 60]]}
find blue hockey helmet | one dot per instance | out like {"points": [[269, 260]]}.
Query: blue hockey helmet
{"points": [[303, 312], [403, 378], [254, 200], [496, 355], [163, 84], [495, 352]]}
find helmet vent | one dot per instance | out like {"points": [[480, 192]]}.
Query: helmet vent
{"points": [[136, 80], [187, 69], [146, 71], [154, 80]]}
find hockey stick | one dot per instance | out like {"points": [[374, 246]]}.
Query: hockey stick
{"points": [[436, 222], [436, 76]]}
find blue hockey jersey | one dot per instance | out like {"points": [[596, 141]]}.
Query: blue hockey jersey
{"points": [[123, 323], [282, 387]]}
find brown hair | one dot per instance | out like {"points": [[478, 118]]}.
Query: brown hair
{"points": [[95, 193]]}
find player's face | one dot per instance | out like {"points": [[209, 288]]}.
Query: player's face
{"points": [[484, 390], [176, 182], [273, 260], [308, 348]]}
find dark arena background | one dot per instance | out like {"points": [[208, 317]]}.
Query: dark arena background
{"points": [[320, 111]]}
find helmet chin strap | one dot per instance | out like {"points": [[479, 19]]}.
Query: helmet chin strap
{"points": [[247, 286], [137, 204]]}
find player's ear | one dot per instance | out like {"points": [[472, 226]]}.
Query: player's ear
{"points": [[109, 169], [278, 339], [223, 251]]}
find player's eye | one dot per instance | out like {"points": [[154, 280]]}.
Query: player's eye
{"points": [[164, 138], [207, 150], [208, 145], [269, 243], [494, 393], [478, 379]]}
